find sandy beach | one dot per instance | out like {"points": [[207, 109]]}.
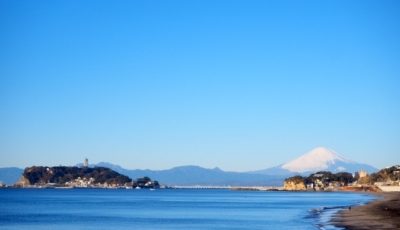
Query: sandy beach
{"points": [[384, 213]]}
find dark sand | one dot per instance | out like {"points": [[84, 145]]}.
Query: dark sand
{"points": [[384, 213]]}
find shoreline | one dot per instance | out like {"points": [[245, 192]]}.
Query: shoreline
{"points": [[381, 213]]}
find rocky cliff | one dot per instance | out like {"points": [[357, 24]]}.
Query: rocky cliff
{"points": [[295, 183]]}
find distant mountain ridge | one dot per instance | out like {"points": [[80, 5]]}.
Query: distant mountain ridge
{"points": [[318, 159], [10, 175], [195, 175]]}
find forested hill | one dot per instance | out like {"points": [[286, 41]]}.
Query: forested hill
{"points": [[72, 176]]}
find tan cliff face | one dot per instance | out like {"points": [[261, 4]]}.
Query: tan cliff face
{"points": [[22, 182], [295, 183], [294, 186]]}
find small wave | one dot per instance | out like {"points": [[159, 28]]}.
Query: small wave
{"points": [[316, 212], [323, 215]]}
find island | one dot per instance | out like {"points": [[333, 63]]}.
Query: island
{"points": [[80, 177]]}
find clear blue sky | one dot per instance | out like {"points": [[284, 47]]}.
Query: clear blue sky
{"points": [[241, 85]]}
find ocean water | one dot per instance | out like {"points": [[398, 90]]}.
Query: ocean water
{"points": [[169, 209]]}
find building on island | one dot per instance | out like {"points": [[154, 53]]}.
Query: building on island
{"points": [[86, 163], [360, 174]]}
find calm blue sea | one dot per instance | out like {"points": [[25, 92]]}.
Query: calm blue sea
{"points": [[169, 209]]}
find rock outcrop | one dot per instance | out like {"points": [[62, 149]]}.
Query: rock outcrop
{"points": [[295, 183], [22, 182]]}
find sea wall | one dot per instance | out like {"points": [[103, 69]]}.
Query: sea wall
{"points": [[385, 188]]}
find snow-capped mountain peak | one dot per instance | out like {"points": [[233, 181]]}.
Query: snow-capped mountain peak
{"points": [[317, 159]]}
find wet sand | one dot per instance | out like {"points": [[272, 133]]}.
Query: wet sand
{"points": [[383, 213]]}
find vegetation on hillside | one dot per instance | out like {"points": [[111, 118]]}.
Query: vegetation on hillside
{"points": [[326, 180], [80, 177], [319, 181], [62, 174], [390, 174]]}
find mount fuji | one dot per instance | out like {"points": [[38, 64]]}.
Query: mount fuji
{"points": [[318, 159]]}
